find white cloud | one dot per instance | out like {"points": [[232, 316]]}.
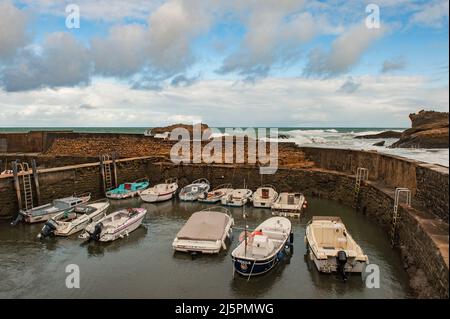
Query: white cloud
{"points": [[380, 100], [345, 51], [13, 24], [433, 14]]}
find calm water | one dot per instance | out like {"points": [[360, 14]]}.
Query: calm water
{"points": [[144, 265]]}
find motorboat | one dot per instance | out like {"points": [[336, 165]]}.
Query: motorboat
{"points": [[261, 250], [116, 225], [205, 231], [70, 222], [332, 248], [45, 212], [160, 192], [127, 190], [193, 191], [237, 198], [289, 205], [264, 196], [216, 194]]}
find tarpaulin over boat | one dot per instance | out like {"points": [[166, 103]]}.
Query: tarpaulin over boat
{"points": [[204, 226]]}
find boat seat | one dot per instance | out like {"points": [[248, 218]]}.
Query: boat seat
{"points": [[273, 235], [341, 242]]}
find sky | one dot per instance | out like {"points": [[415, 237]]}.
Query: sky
{"points": [[277, 63]]}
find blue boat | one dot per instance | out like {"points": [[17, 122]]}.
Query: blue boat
{"points": [[127, 190], [261, 250]]}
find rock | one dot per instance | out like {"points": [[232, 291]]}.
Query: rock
{"points": [[381, 143], [283, 136], [165, 129], [386, 134], [429, 130]]}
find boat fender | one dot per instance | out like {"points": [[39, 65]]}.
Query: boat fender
{"points": [[291, 238], [280, 256]]}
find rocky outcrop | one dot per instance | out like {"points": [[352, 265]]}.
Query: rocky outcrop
{"points": [[381, 143], [386, 134], [429, 130], [168, 129]]}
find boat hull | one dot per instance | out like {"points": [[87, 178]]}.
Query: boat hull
{"points": [[250, 267], [33, 219], [154, 198], [330, 265], [262, 204], [123, 231], [81, 225], [123, 196]]}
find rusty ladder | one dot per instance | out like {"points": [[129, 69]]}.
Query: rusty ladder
{"points": [[24, 170], [395, 215]]}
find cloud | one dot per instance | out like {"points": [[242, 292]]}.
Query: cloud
{"points": [[13, 23], [349, 86], [393, 64], [63, 61], [86, 107], [433, 14], [121, 53], [275, 32], [290, 101], [345, 52], [183, 80]]}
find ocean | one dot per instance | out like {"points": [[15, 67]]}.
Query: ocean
{"points": [[332, 137]]}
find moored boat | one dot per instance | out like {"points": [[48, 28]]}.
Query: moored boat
{"points": [[45, 212], [263, 249], [265, 196], [193, 191], [237, 198], [332, 248], [127, 190], [216, 194], [68, 223], [114, 226], [289, 205], [160, 192], [205, 231]]}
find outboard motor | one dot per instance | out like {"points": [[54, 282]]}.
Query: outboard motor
{"points": [[97, 232], [341, 260], [18, 219], [48, 229]]}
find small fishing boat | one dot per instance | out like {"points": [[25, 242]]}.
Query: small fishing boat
{"points": [[68, 223], [160, 192], [264, 196], [205, 231], [332, 248], [237, 198], [114, 226], [193, 191], [289, 205], [127, 190], [261, 250], [216, 194], [45, 212]]}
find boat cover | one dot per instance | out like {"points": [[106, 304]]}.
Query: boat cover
{"points": [[204, 226]]}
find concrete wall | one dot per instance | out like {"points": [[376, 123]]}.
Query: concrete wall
{"points": [[429, 183]]}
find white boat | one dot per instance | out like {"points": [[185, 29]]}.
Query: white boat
{"points": [[45, 212], [205, 231], [264, 196], [68, 223], [237, 198], [332, 248], [263, 249], [193, 191], [216, 194], [289, 205], [160, 192], [114, 226]]}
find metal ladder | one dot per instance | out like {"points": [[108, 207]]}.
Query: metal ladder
{"points": [[395, 215], [107, 168], [362, 174], [24, 169]]}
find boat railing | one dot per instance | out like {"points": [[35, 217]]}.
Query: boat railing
{"points": [[227, 185], [219, 209], [142, 180], [201, 181]]}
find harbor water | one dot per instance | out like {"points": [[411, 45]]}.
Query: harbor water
{"points": [[144, 265]]}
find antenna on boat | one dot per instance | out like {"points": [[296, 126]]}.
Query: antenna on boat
{"points": [[245, 231]]}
